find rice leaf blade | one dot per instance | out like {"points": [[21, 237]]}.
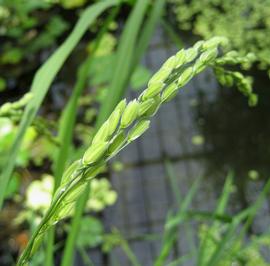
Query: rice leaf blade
{"points": [[43, 80]]}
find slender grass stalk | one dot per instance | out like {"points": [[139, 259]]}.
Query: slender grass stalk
{"points": [[128, 251], [172, 225], [178, 199], [231, 236], [147, 32], [173, 182], [182, 259], [49, 248], [124, 61], [75, 228], [43, 80], [127, 39], [82, 78], [172, 34], [67, 122], [87, 261], [126, 123], [254, 209], [220, 210]]}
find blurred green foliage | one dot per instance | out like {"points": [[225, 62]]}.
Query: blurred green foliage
{"points": [[240, 253], [34, 147], [245, 22], [27, 28]]}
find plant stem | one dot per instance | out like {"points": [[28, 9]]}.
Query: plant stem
{"points": [[87, 261], [82, 79], [75, 226], [42, 82]]}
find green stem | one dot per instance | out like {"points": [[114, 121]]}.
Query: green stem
{"points": [[75, 226], [66, 133], [82, 78], [124, 62], [38, 235], [87, 261], [42, 82], [142, 45], [131, 256], [50, 248]]}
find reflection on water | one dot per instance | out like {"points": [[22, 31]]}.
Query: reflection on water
{"points": [[236, 136]]}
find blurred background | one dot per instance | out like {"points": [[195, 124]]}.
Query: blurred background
{"points": [[203, 162]]}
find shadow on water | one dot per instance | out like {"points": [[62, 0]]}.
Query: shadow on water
{"points": [[236, 135]]}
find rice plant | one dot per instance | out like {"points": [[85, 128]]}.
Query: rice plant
{"points": [[73, 179], [129, 121]]}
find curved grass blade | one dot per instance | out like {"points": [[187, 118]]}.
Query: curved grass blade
{"points": [[248, 215], [67, 129], [148, 30], [43, 80], [124, 60], [220, 210], [128, 39], [172, 224]]}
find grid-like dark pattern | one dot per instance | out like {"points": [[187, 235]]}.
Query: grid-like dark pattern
{"points": [[145, 195]]}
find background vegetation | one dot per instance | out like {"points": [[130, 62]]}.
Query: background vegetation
{"points": [[66, 64]]}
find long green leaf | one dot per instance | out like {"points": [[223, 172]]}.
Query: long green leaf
{"points": [[124, 57], [172, 224], [75, 228], [231, 234], [66, 126], [43, 80], [172, 34], [178, 199], [147, 32], [220, 209], [124, 60]]}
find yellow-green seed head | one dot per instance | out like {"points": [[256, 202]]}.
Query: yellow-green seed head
{"points": [[6, 107], [215, 42], [67, 176], [154, 107], [153, 90], [75, 192], [138, 130], [180, 58], [160, 76], [102, 134], [145, 106], [94, 153], [185, 76], [130, 114], [170, 92], [170, 63], [121, 106], [253, 99], [191, 54], [198, 45], [114, 121], [199, 66], [209, 55], [117, 143], [26, 98]]}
